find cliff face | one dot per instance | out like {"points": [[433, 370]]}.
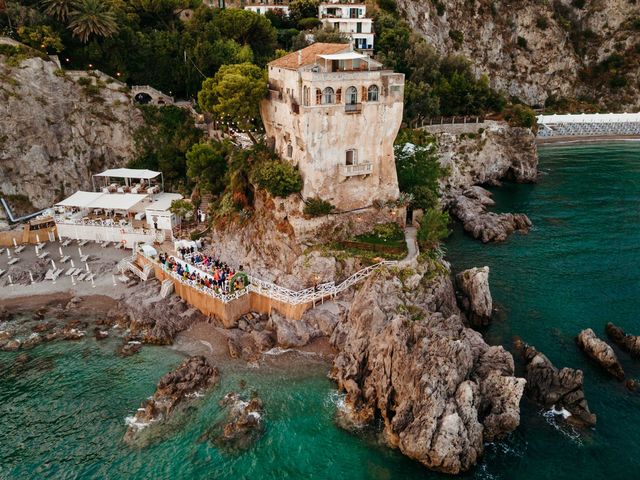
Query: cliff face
{"points": [[406, 358], [55, 132], [532, 49]]}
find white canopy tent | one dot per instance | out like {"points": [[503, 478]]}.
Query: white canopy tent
{"points": [[80, 199], [589, 118], [129, 174], [125, 201]]}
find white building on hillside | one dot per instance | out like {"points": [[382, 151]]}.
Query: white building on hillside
{"points": [[335, 113], [350, 19], [129, 207], [263, 6]]}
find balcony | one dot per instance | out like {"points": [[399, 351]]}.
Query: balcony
{"points": [[357, 169], [352, 108]]}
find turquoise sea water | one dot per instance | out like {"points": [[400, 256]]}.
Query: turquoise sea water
{"points": [[63, 410]]}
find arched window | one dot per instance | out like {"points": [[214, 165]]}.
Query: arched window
{"points": [[328, 96], [289, 151], [318, 96], [352, 96], [372, 93], [305, 96]]}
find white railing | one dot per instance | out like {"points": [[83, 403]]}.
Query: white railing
{"points": [[357, 169], [276, 292]]}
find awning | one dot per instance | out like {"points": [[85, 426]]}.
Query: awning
{"points": [[148, 249], [344, 56], [80, 199], [129, 173], [110, 201]]}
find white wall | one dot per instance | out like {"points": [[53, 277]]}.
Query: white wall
{"points": [[105, 234]]}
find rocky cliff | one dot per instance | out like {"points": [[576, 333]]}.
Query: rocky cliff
{"points": [[406, 358], [58, 128], [496, 151], [534, 49]]}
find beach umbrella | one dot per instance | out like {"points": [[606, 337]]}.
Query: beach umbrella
{"points": [[72, 265], [15, 244], [53, 265], [93, 284], [80, 252], [31, 277], [87, 266], [37, 238], [60, 250], [113, 277], [73, 279], [10, 281]]}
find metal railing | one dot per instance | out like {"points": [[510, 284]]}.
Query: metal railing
{"points": [[276, 292]]}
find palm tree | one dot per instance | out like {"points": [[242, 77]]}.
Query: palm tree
{"points": [[58, 9], [92, 17]]}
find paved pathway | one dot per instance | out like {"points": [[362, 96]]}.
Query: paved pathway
{"points": [[410, 236]]}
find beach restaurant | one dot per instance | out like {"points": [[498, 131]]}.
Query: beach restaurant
{"points": [[129, 207]]}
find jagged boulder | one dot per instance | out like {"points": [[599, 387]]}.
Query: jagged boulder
{"points": [[562, 389], [474, 295], [439, 389], [629, 343], [193, 375], [470, 207], [601, 352]]}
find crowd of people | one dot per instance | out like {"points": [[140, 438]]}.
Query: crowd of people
{"points": [[217, 276]]}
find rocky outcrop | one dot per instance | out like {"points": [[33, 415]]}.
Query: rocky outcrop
{"points": [[439, 389], [496, 152], [471, 209], [558, 389], [474, 295], [629, 343], [193, 376], [151, 318], [52, 125], [533, 50], [601, 352], [243, 425]]}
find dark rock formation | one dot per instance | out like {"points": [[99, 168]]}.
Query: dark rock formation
{"points": [[601, 352], [551, 387], [470, 207], [243, 425], [193, 375], [439, 389], [629, 343], [474, 295], [129, 348], [100, 334]]}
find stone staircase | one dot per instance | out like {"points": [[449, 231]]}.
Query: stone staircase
{"points": [[204, 203]]}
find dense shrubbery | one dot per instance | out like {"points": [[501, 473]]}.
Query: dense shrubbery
{"points": [[317, 207], [520, 116], [434, 227], [279, 178]]}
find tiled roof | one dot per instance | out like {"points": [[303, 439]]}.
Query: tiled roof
{"points": [[307, 56]]}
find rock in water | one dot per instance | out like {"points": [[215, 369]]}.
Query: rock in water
{"points": [[192, 376], [471, 208], [601, 352], [439, 389], [243, 425], [551, 387], [629, 343], [475, 296]]}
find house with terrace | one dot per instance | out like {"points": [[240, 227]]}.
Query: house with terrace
{"points": [[349, 18], [335, 113]]}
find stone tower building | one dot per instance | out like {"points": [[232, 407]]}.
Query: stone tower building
{"points": [[335, 113]]}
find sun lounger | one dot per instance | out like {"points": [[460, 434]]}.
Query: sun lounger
{"points": [[106, 244], [89, 277], [84, 258], [72, 271], [43, 255], [19, 249], [66, 243], [82, 275], [13, 261], [41, 245], [65, 259], [2, 272], [83, 243]]}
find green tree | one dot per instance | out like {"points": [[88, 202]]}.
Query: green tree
{"points": [[434, 227], [182, 208], [58, 9], [90, 18], [279, 178], [299, 9], [247, 28], [41, 37], [418, 173], [207, 165], [235, 92]]}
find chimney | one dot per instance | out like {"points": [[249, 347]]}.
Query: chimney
{"points": [[299, 57]]}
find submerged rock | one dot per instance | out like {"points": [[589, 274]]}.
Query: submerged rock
{"points": [[475, 295], [129, 348], [191, 377], [470, 207], [440, 390], [601, 352], [11, 345], [243, 425], [558, 389], [629, 343]]}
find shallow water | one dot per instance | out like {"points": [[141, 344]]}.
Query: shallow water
{"points": [[63, 411]]}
